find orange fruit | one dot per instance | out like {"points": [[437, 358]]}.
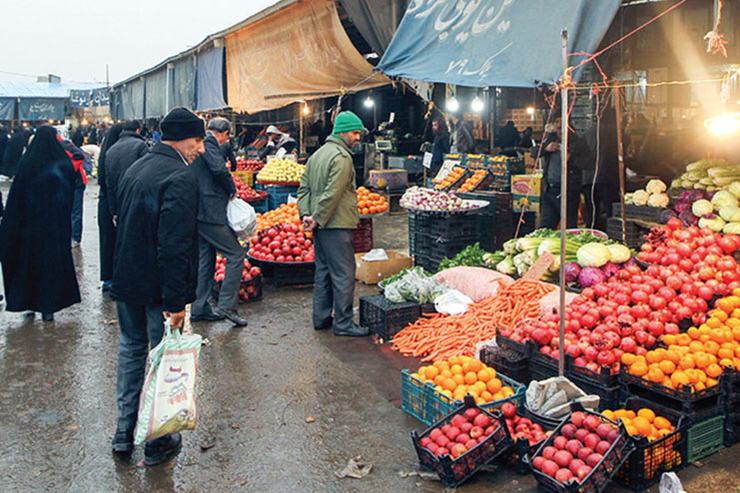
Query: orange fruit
{"points": [[507, 391], [726, 362], [713, 323], [679, 379], [713, 371], [686, 363], [696, 346], [667, 366], [693, 333], [439, 380], [484, 376], [642, 426], [701, 360], [608, 414], [655, 374], [446, 373], [668, 339], [471, 378], [628, 358], [646, 413], [653, 357], [639, 369], [458, 378], [480, 387], [673, 356], [683, 339], [456, 369], [494, 385], [486, 395], [453, 360], [475, 365], [432, 372], [711, 382], [449, 384], [725, 353], [662, 423]]}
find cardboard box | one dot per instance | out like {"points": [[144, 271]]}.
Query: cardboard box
{"points": [[523, 202], [526, 185], [391, 179], [374, 272]]}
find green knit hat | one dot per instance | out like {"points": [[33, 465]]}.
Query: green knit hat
{"points": [[346, 122]]}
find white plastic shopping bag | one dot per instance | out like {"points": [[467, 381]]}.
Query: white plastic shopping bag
{"points": [[242, 218], [167, 403]]}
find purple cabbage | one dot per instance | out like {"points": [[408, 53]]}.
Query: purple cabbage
{"points": [[631, 261], [667, 215], [688, 218], [710, 216], [696, 194], [572, 270], [685, 195], [610, 269], [591, 276], [682, 205], [711, 194]]}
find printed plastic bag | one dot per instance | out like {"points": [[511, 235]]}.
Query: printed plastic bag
{"points": [[167, 403], [242, 218]]}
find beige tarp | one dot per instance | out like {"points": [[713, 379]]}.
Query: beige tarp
{"points": [[300, 52]]}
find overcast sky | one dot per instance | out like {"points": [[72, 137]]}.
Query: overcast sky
{"points": [[75, 39]]}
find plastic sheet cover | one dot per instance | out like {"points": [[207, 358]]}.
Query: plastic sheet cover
{"points": [[479, 43], [376, 20], [31, 109], [182, 85], [209, 83], [7, 108], [156, 93], [300, 52]]}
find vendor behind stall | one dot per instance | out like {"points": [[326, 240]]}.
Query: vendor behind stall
{"points": [[278, 140]]}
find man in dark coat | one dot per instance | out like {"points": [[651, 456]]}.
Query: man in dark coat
{"points": [[106, 226], [154, 272], [215, 189], [228, 152], [78, 158], [130, 147], [441, 144], [92, 134], [38, 269], [78, 138], [14, 151]]}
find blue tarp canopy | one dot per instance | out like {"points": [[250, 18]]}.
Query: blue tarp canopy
{"points": [[209, 88], [7, 108], [481, 43], [32, 109]]}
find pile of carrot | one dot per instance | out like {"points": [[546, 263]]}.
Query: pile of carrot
{"points": [[437, 337]]}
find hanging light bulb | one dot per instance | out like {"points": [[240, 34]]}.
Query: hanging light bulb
{"points": [[306, 109], [51, 121], [723, 124], [477, 105], [369, 103], [453, 105]]}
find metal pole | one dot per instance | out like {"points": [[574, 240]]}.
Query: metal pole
{"points": [[620, 155], [563, 202]]}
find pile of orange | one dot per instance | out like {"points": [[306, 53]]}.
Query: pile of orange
{"points": [[462, 375], [370, 203], [696, 358], [451, 178], [285, 214], [473, 181]]}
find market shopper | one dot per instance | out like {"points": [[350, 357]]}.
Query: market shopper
{"points": [[130, 147], [78, 160], [38, 270], [278, 140], [601, 177], [227, 149], [154, 272], [3, 143], [215, 188], [327, 203], [441, 144], [106, 226], [13, 152]]}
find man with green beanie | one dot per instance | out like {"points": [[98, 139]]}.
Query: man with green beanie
{"points": [[327, 203]]}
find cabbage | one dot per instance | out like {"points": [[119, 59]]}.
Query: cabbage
{"points": [[723, 198], [572, 270], [730, 213], [733, 228], [688, 218], [655, 186], [682, 205], [702, 208], [685, 195], [618, 253], [593, 255], [695, 195], [734, 188], [658, 200], [610, 270], [713, 222], [590, 276], [667, 215], [640, 197]]}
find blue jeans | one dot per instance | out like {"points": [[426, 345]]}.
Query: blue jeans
{"points": [[142, 328], [77, 213]]}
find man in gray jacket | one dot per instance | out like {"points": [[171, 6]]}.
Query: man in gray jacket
{"points": [[215, 189]]}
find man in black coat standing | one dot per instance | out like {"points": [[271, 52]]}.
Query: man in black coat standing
{"points": [[130, 147], [154, 274], [215, 189]]}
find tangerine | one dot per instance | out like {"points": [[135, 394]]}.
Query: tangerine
{"points": [[471, 378], [662, 423], [667, 366], [649, 414], [713, 371], [655, 374], [639, 369], [449, 384]]}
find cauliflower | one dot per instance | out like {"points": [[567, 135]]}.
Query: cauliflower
{"points": [[640, 197], [658, 200], [702, 208], [628, 198], [655, 186]]}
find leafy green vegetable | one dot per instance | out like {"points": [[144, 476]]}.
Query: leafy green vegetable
{"points": [[471, 256]]}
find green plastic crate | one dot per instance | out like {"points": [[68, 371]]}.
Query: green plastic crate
{"points": [[414, 395], [706, 438]]}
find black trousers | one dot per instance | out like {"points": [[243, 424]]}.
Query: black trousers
{"points": [[334, 282], [550, 207]]}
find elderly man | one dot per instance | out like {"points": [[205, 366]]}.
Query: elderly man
{"points": [[154, 272], [215, 189], [327, 203], [278, 140]]}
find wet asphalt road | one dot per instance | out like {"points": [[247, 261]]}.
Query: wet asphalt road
{"points": [[280, 405]]}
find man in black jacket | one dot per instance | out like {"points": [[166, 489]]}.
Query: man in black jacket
{"points": [[130, 147], [215, 189], [154, 272]]}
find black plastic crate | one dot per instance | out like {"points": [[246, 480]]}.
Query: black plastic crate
{"points": [[541, 366], [362, 236], [650, 460], [731, 434], [292, 274], [635, 233], [507, 361], [642, 212], [386, 318], [603, 383], [455, 472], [601, 475], [428, 263], [529, 222], [453, 226], [696, 406], [520, 347]]}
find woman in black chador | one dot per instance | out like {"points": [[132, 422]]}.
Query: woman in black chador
{"points": [[36, 230], [106, 227]]}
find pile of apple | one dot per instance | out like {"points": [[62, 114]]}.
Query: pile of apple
{"points": [[282, 243], [249, 273], [522, 428], [246, 192], [248, 164], [579, 447], [464, 432]]}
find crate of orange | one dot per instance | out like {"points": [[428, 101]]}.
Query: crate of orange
{"points": [[369, 203], [449, 381], [686, 374], [660, 437], [454, 179], [480, 180]]}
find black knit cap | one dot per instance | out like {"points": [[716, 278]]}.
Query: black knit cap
{"points": [[181, 124]]}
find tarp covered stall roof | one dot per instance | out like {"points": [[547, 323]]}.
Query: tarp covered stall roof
{"points": [[7, 108], [132, 97], [209, 83], [300, 52], [156, 93], [376, 20], [182, 84], [13, 89], [32, 109], [483, 43]]}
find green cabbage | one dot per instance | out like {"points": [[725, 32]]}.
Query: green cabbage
{"points": [[715, 224], [723, 198], [618, 253], [734, 188], [702, 208], [593, 255], [733, 228], [730, 213]]}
